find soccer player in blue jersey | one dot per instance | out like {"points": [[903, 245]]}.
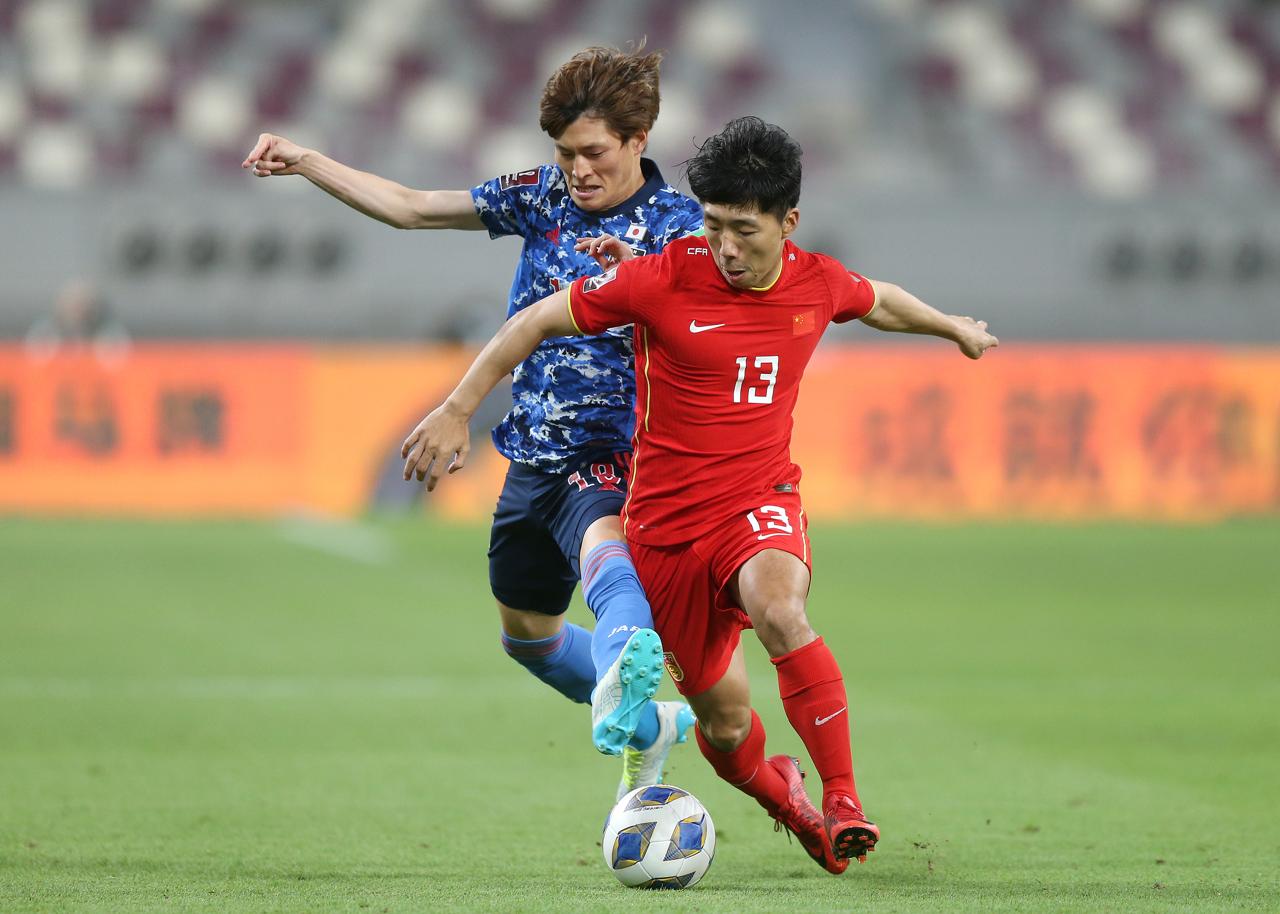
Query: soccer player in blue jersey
{"points": [[568, 434]]}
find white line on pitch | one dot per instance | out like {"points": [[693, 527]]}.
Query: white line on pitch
{"points": [[344, 539]]}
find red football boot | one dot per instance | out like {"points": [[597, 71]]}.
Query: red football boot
{"points": [[850, 833], [801, 818]]}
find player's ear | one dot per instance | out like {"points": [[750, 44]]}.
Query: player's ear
{"points": [[639, 141], [790, 221]]}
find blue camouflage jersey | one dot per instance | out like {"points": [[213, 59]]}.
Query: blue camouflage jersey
{"points": [[575, 394]]}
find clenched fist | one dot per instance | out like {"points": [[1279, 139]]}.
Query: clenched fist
{"points": [[973, 337], [274, 155]]}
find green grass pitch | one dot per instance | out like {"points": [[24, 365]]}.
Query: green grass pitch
{"points": [[297, 717]]}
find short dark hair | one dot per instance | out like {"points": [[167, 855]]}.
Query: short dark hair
{"points": [[748, 163], [619, 87]]}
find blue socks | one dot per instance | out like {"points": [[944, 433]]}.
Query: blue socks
{"points": [[612, 590], [563, 661], [647, 730]]}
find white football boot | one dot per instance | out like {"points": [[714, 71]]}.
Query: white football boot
{"points": [[643, 767], [627, 686]]}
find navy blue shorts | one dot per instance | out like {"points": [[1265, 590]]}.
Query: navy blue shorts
{"points": [[538, 527]]}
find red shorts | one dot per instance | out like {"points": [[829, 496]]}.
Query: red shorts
{"points": [[694, 612]]}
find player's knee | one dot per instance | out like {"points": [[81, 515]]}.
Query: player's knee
{"points": [[782, 626], [726, 730], [528, 626], [521, 631]]}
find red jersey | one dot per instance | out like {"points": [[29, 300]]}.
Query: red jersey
{"points": [[717, 374]]}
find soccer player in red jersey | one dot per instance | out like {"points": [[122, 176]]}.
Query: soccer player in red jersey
{"points": [[725, 326]]}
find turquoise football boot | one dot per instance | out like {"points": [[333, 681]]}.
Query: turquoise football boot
{"points": [[620, 696]]}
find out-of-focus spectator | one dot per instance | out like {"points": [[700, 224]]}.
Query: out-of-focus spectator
{"points": [[81, 320]]}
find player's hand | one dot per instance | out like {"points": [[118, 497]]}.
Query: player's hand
{"points": [[441, 440], [973, 338], [274, 155], [605, 250]]}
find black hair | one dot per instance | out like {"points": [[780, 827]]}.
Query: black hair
{"points": [[748, 163]]}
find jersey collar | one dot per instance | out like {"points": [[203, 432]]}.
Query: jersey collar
{"points": [[653, 182], [786, 255]]}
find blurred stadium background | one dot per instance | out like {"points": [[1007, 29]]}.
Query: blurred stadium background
{"points": [[1097, 178], [1076, 169], [1079, 170]]}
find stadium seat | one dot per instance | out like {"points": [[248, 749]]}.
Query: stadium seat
{"points": [[57, 156], [14, 110], [143, 83], [216, 113], [131, 68], [440, 114]]}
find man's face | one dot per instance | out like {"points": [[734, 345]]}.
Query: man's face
{"points": [[601, 169], [746, 243]]}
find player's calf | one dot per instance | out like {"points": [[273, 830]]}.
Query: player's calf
{"points": [[562, 661]]}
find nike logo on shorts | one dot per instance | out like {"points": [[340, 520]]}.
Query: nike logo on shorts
{"points": [[765, 536], [695, 327], [819, 721]]}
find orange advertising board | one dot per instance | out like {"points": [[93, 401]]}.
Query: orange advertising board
{"points": [[197, 427], [1048, 431], [200, 429], [1041, 431]]}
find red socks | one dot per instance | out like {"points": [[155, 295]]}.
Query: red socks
{"points": [[745, 769], [813, 696]]}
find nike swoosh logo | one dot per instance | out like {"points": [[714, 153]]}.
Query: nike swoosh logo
{"points": [[765, 536], [695, 327], [822, 720]]}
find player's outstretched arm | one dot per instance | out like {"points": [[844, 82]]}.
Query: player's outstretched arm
{"points": [[898, 311], [442, 439], [386, 201]]}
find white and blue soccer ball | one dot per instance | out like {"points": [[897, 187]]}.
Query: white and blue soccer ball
{"points": [[659, 837]]}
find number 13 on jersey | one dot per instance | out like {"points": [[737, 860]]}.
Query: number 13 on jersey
{"points": [[766, 367]]}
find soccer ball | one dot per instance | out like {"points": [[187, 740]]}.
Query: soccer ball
{"points": [[659, 837]]}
